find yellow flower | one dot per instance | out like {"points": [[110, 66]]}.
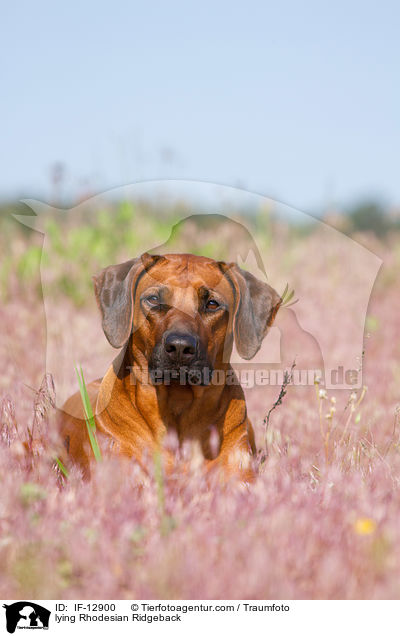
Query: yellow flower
{"points": [[364, 526]]}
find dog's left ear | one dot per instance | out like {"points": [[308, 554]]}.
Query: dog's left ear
{"points": [[114, 290], [256, 305]]}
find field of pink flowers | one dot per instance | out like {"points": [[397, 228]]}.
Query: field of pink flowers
{"points": [[321, 520]]}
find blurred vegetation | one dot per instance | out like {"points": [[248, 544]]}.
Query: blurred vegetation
{"points": [[80, 243], [74, 248], [371, 216]]}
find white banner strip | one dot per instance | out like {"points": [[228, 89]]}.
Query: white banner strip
{"points": [[137, 617]]}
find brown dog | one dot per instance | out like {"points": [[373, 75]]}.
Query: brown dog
{"points": [[175, 317]]}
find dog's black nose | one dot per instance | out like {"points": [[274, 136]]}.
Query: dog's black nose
{"points": [[181, 347]]}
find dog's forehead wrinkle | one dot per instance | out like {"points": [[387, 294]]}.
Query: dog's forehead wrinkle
{"points": [[184, 299], [183, 269], [185, 282]]}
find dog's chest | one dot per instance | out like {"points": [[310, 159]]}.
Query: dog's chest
{"points": [[183, 410], [179, 401]]}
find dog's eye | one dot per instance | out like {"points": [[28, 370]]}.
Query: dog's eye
{"points": [[212, 305], [153, 300]]}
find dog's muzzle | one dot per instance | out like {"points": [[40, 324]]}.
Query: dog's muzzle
{"points": [[180, 358]]}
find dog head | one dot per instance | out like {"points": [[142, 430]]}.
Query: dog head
{"points": [[183, 311]]}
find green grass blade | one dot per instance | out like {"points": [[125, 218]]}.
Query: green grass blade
{"points": [[293, 303], [89, 417], [61, 467], [167, 523], [283, 295], [289, 297]]}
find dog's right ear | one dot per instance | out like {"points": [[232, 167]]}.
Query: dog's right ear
{"points": [[114, 289]]}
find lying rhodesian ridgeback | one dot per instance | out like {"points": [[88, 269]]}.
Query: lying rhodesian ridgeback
{"points": [[176, 318]]}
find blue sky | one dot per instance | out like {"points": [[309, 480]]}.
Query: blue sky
{"points": [[299, 101]]}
